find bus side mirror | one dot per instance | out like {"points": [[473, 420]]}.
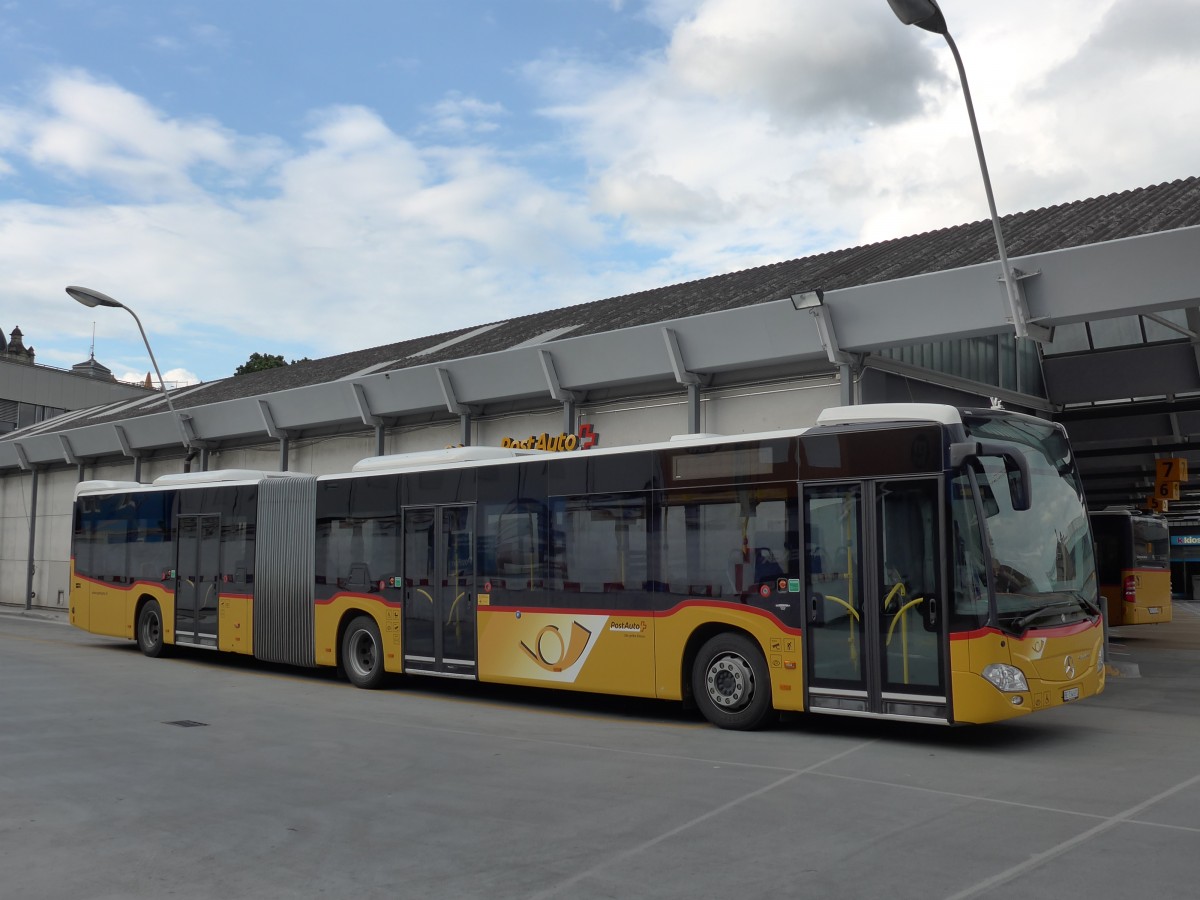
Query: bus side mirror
{"points": [[1016, 467]]}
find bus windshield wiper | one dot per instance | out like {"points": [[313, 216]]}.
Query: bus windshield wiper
{"points": [[1023, 622], [1090, 607]]}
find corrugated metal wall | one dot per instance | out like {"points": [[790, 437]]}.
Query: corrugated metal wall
{"points": [[285, 573], [993, 359]]}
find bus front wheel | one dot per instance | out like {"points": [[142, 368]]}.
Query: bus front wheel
{"points": [[362, 653], [150, 629], [731, 683]]}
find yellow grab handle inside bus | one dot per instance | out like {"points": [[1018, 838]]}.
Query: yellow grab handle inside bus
{"points": [[900, 612], [902, 617], [897, 589]]}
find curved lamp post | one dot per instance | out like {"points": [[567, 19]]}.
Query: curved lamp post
{"points": [[91, 298], [928, 15]]}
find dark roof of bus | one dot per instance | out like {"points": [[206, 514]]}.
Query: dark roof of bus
{"points": [[1130, 213]]}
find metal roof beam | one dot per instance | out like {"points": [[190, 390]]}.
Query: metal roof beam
{"points": [[269, 420], [123, 441], [678, 366], [364, 406], [557, 391], [451, 398], [68, 452]]}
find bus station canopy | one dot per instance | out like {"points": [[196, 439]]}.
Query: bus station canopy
{"points": [[1112, 284]]}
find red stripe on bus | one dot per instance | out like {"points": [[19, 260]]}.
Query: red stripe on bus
{"points": [[160, 585], [649, 614], [1060, 631], [340, 594]]}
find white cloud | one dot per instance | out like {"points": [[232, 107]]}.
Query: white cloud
{"points": [[360, 237], [773, 128], [166, 43], [88, 129], [758, 130], [459, 115], [172, 377], [800, 63]]}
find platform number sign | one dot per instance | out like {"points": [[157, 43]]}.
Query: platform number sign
{"points": [[1168, 475], [1174, 469], [1166, 490]]}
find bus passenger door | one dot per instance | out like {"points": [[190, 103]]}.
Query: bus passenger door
{"points": [[876, 629], [836, 620], [912, 641], [439, 591], [198, 580]]}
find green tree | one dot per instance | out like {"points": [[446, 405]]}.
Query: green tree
{"points": [[259, 362]]}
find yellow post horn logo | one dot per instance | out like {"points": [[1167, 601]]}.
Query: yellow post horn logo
{"points": [[565, 654]]}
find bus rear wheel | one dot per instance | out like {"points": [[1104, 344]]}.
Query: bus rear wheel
{"points": [[150, 629], [362, 653], [731, 683]]}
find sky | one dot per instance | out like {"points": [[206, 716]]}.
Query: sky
{"points": [[309, 177]]}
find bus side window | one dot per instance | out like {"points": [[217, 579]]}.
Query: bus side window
{"points": [[86, 516], [512, 549], [599, 557], [731, 543]]}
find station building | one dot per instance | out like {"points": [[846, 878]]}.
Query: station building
{"points": [[1109, 292]]}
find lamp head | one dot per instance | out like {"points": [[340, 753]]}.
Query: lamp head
{"points": [[89, 297], [922, 13], [808, 299]]}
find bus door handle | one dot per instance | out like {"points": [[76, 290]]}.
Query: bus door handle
{"points": [[931, 613]]}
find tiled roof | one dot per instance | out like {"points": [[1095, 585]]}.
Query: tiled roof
{"points": [[1143, 211]]}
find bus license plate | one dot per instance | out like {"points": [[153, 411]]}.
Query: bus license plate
{"points": [[1155, 610], [1070, 694]]}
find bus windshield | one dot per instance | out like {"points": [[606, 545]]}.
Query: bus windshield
{"points": [[1151, 548], [1042, 569]]}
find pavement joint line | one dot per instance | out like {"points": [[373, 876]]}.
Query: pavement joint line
{"points": [[704, 817], [673, 757], [1001, 802], [1059, 849]]}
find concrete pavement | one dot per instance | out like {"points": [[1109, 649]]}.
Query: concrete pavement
{"points": [[209, 776]]}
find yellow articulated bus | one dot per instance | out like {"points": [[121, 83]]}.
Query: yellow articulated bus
{"points": [[907, 561], [1134, 563]]}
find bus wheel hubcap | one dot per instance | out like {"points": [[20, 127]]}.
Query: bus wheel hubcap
{"points": [[362, 653], [730, 682]]}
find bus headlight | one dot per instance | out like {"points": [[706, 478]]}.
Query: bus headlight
{"points": [[1005, 677], [1100, 660]]}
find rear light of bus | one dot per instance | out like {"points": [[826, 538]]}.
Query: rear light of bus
{"points": [[1130, 589]]}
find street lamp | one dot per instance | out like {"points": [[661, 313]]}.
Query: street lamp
{"points": [[92, 299], [928, 15]]}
